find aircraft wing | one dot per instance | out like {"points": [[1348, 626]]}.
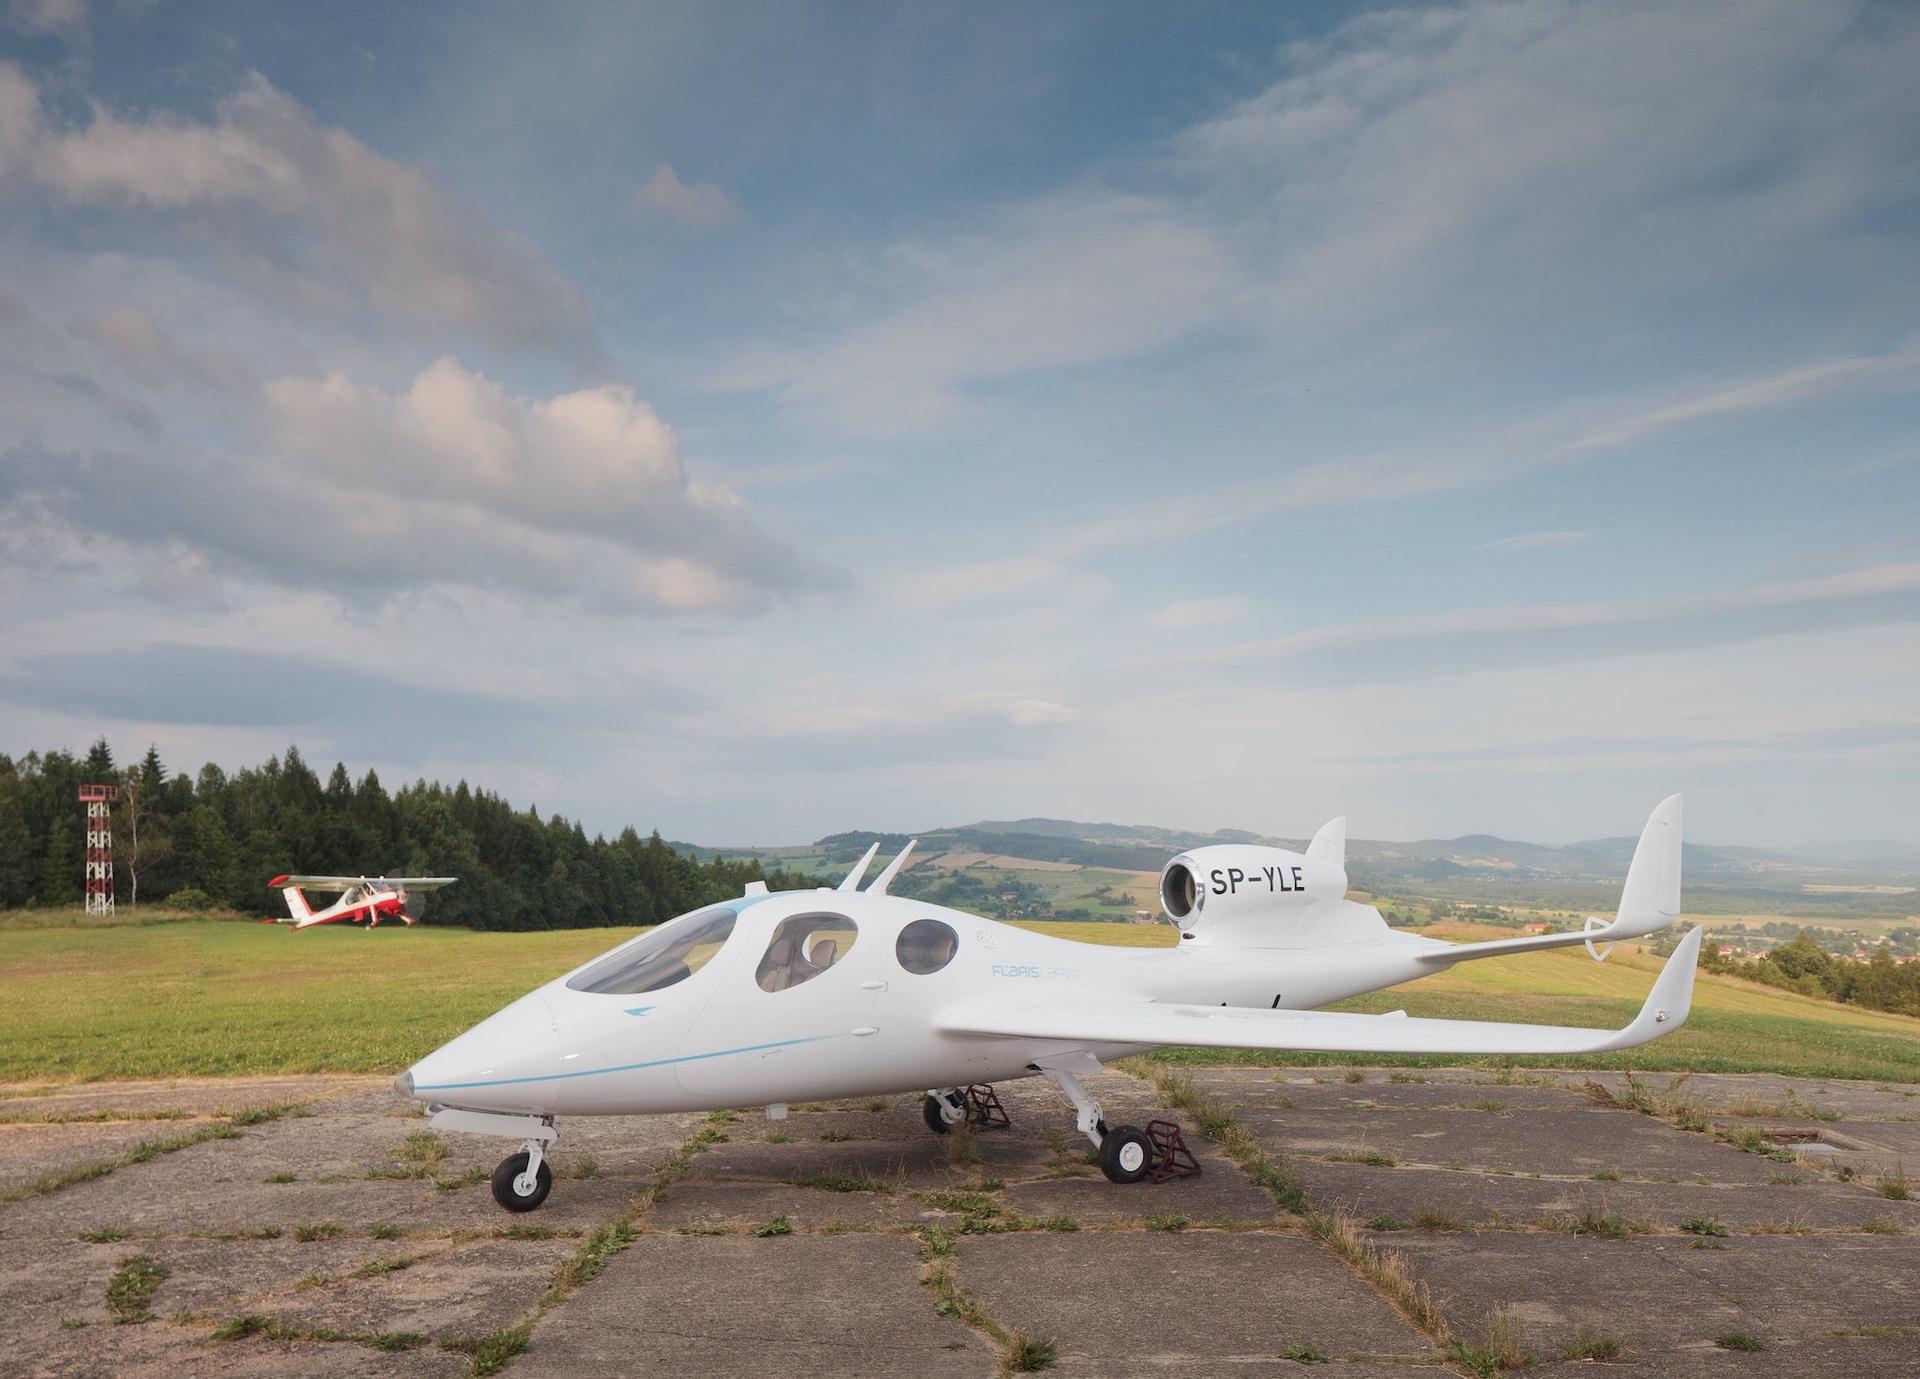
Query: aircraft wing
{"points": [[1241, 1027], [341, 883]]}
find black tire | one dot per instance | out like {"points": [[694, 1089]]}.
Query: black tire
{"points": [[930, 1112], [512, 1167], [1126, 1154]]}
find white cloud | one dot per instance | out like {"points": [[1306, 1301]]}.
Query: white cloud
{"points": [[1187, 615], [691, 206], [578, 497], [949, 586], [67, 18], [1451, 167], [294, 199], [1421, 183], [138, 343], [1537, 541], [1076, 279], [1893, 578]]}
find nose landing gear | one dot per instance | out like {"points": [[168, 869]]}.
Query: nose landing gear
{"points": [[523, 1180], [978, 1105]]}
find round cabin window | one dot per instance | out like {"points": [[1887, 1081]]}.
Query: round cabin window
{"points": [[926, 946]]}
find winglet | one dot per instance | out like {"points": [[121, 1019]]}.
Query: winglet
{"points": [[1672, 995], [1651, 898], [859, 870], [879, 886], [1330, 843]]}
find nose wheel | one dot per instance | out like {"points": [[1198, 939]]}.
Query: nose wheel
{"points": [[523, 1180]]}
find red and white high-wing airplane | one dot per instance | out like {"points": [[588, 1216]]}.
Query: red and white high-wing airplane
{"points": [[370, 898]]}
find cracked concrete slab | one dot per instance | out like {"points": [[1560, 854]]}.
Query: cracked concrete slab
{"points": [[815, 1305], [697, 1204], [1856, 1357], [157, 1350], [1221, 1193], [1363, 1191], [29, 1151], [1566, 1143], [466, 1290], [1383, 1094], [1201, 1301], [1665, 1293], [212, 1189], [189, 1096]]}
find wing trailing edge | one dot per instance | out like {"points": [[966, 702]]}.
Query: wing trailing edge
{"points": [[1151, 1023]]}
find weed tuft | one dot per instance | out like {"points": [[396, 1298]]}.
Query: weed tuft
{"points": [[1030, 1354], [130, 1289]]}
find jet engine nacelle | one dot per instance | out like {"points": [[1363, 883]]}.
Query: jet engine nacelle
{"points": [[1212, 887]]}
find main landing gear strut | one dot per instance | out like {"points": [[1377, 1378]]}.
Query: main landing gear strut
{"points": [[1127, 1153]]}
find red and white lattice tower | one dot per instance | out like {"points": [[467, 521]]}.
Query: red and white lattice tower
{"points": [[97, 799]]}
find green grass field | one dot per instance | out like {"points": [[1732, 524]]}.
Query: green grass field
{"points": [[208, 998]]}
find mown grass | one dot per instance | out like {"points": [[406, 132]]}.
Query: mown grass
{"points": [[221, 998]]}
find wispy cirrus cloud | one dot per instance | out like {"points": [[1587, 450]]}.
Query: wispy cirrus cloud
{"points": [[1537, 541]]}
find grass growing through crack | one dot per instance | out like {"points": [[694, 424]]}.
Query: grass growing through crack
{"points": [[1030, 1354], [1739, 1340], [130, 1289], [1594, 1345], [1502, 1348], [1215, 1122], [1386, 1270], [1020, 1352], [1894, 1185], [136, 1154]]}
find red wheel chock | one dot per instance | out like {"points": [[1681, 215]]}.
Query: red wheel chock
{"points": [[984, 1111], [1171, 1157]]}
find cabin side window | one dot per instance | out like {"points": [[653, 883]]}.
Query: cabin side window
{"points": [[802, 948], [669, 954], [925, 946]]}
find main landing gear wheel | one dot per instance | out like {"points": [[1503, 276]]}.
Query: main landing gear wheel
{"points": [[1126, 1154], [942, 1113], [511, 1177]]}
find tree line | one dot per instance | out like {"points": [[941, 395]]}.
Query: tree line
{"points": [[1880, 983], [225, 836]]}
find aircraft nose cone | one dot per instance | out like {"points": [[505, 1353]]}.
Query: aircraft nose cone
{"points": [[507, 1062]]}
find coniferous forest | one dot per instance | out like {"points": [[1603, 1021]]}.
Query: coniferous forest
{"points": [[226, 836]]}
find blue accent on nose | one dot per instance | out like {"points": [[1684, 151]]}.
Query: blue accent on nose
{"points": [[638, 1010]]}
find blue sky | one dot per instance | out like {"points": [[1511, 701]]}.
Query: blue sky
{"points": [[766, 422]]}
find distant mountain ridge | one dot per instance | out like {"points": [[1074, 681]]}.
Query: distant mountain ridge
{"points": [[1477, 865]]}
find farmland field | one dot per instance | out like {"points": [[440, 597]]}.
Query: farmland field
{"points": [[210, 998]]}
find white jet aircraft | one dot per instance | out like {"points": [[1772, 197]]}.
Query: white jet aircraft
{"points": [[813, 995]]}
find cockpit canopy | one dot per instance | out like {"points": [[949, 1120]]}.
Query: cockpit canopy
{"points": [[660, 957]]}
